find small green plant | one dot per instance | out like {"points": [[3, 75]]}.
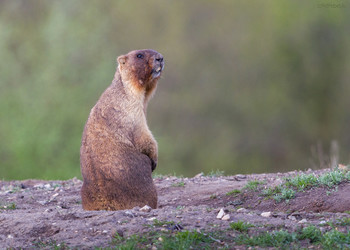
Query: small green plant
{"points": [[301, 181], [51, 244], [253, 185], [287, 190], [213, 196], [343, 221], [164, 240], [332, 178], [336, 240], [128, 243], [269, 239], [11, 206], [178, 184], [241, 226], [312, 233], [285, 194], [158, 176], [186, 240], [216, 173], [163, 223], [233, 192]]}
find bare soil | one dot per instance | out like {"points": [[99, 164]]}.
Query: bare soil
{"points": [[35, 212]]}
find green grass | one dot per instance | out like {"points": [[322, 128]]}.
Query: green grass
{"points": [[310, 236], [10, 206], [285, 194], [162, 223], [268, 239], [253, 185], [329, 179], [50, 244], [312, 233], [233, 192], [287, 190], [216, 173], [241, 226], [282, 238], [178, 184], [162, 240]]}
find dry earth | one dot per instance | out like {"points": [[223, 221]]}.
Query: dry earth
{"points": [[37, 213]]}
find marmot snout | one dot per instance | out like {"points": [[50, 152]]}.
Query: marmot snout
{"points": [[118, 152]]}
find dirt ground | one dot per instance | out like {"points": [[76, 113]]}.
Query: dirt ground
{"points": [[34, 212]]}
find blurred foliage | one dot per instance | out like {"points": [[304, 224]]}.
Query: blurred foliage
{"points": [[249, 86]]}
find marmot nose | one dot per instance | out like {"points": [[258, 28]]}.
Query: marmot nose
{"points": [[159, 58]]}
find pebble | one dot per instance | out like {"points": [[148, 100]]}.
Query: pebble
{"points": [[53, 197], [322, 222], [266, 214], [226, 217], [129, 214], [199, 175], [42, 202], [151, 219], [240, 176], [291, 217], [220, 214], [39, 185], [302, 221], [146, 208], [242, 210]]}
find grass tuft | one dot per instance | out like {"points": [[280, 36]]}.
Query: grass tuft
{"points": [[233, 192], [216, 173], [253, 185], [241, 226]]}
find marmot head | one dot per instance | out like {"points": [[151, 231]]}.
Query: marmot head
{"points": [[141, 68]]}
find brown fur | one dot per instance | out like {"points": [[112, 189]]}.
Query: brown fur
{"points": [[118, 152]]}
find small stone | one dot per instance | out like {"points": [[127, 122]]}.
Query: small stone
{"points": [[220, 214], [146, 208], [160, 239], [9, 236], [242, 210], [47, 186], [226, 217], [199, 175], [322, 222], [266, 214], [302, 221], [154, 248], [240, 176], [53, 197], [42, 202], [40, 185], [151, 219], [129, 214], [293, 218], [48, 210]]}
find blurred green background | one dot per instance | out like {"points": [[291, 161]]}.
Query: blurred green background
{"points": [[249, 86]]}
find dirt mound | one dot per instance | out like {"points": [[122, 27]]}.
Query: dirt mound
{"points": [[48, 214]]}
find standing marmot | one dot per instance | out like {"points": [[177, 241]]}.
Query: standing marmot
{"points": [[118, 152]]}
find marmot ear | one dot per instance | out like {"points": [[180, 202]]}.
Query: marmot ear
{"points": [[121, 59]]}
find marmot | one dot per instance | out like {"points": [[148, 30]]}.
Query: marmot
{"points": [[118, 152]]}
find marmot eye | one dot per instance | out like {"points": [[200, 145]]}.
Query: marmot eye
{"points": [[139, 56]]}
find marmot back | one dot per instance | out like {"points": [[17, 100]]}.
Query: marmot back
{"points": [[118, 152]]}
